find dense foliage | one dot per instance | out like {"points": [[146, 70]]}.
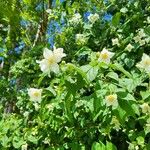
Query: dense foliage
{"points": [[75, 74]]}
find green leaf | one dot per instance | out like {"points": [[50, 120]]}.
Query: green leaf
{"points": [[75, 146], [136, 109], [4, 141], [79, 70], [116, 19], [120, 114], [86, 68], [112, 75], [126, 105], [128, 84], [92, 73], [97, 104], [98, 146], [97, 115], [110, 146], [126, 96], [145, 94], [121, 69], [17, 142], [140, 140], [33, 139], [68, 107], [51, 90], [41, 79], [147, 30]]}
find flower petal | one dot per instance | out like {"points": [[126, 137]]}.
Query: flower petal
{"points": [[58, 53], [44, 65], [55, 68], [47, 53]]}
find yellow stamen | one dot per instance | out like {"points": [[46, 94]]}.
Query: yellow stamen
{"points": [[36, 94], [51, 60], [104, 56], [111, 98], [146, 62]]}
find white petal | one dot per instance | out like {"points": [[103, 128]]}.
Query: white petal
{"points": [[111, 54], [35, 94], [44, 65], [30, 91], [58, 54], [115, 104], [145, 56], [55, 68], [58, 50], [104, 50], [107, 61], [47, 53]]}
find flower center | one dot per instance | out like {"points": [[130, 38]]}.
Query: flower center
{"points": [[147, 62], [36, 94], [104, 56], [111, 98], [51, 60], [146, 107]]}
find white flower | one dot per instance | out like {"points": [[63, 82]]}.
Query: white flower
{"points": [[141, 33], [81, 39], [51, 60], [115, 41], [79, 103], [75, 19], [105, 56], [35, 94], [50, 107], [142, 42], [136, 147], [49, 11], [111, 100], [144, 63], [145, 108], [24, 147], [26, 114], [93, 18], [148, 20], [58, 54], [147, 40], [129, 47], [137, 39], [124, 10], [46, 141]]}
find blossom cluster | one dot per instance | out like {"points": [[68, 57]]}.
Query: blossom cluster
{"points": [[52, 58]]}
